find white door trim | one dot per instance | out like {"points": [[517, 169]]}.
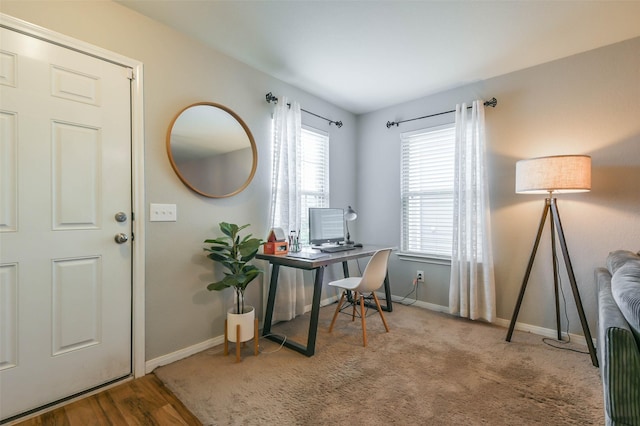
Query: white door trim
{"points": [[137, 140]]}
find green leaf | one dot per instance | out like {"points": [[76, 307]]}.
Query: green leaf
{"points": [[216, 257], [242, 227], [228, 229], [217, 249], [226, 282], [248, 268], [248, 256], [251, 275], [221, 241], [216, 286]]}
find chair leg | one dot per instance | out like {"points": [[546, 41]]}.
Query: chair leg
{"points": [[335, 315], [238, 344], [384, 321], [255, 337], [364, 321], [226, 339]]}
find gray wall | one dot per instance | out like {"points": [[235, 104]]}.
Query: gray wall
{"points": [[179, 71], [583, 104]]}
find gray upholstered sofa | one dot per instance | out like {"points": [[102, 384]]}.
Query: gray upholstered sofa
{"points": [[619, 336]]}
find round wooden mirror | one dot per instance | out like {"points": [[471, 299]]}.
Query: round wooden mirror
{"points": [[212, 150]]}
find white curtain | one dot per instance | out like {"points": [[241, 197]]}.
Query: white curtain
{"points": [[285, 202], [472, 286]]}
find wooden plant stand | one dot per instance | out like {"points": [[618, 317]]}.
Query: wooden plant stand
{"points": [[238, 345]]}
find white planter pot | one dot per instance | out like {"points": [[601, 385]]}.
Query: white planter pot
{"points": [[246, 321]]}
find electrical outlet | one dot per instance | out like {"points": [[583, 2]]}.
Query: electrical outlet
{"points": [[163, 213], [420, 276]]}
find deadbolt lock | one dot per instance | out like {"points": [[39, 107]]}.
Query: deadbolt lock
{"points": [[121, 217]]}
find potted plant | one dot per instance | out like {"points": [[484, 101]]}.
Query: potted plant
{"points": [[234, 253]]}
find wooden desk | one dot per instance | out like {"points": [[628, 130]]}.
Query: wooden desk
{"points": [[318, 265]]}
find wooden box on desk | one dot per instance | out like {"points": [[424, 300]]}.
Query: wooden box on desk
{"points": [[276, 247], [276, 243]]}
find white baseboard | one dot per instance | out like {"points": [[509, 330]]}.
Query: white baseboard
{"points": [[152, 364], [419, 303], [545, 332], [215, 341], [541, 331]]}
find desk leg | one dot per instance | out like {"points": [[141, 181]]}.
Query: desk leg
{"points": [[315, 312], [310, 349], [345, 273], [273, 284], [387, 294]]}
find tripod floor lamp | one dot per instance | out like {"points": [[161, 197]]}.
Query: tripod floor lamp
{"points": [[550, 175]]}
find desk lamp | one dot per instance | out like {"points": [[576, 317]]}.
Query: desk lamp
{"points": [[549, 175], [349, 215]]}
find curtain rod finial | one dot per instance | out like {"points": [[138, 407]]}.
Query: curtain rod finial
{"points": [[269, 96], [492, 102], [392, 123]]}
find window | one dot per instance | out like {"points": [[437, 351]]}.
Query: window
{"points": [[427, 174], [314, 188]]}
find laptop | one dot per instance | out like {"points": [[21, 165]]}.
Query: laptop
{"points": [[336, 249], [309, 255]]}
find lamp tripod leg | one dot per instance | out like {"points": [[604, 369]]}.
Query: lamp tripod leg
{"points": [[554, 258], [514, 317], [574, 286]]}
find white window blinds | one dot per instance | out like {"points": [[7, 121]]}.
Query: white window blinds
{"points": [[427, 174], [315, 175]]}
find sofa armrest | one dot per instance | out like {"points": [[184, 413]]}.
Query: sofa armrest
{"points": [[620, 361], [603, 279]]}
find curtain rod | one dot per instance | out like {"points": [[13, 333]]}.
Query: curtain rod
{"points": [[492, 103], [270, 98]]}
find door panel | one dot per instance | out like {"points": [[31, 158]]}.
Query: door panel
{"points": [[76, 185], [8, 171], [65, 284], [77, 290], [9, 316]]}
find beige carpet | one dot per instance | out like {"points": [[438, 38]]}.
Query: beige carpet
{"points": [[431, 369]]}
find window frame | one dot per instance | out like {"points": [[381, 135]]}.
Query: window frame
{"points": [[408, 250], [322, 196]]}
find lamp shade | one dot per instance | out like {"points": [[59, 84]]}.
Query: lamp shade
{"points": [[350, 214], [560, 173]]}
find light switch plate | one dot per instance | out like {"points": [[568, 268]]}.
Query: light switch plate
{"points": [[163, 213]]}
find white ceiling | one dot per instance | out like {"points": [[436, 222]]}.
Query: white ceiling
{"points": [[366, 55]]}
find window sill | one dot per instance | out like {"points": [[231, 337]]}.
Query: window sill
{"points": [[424, 258]]}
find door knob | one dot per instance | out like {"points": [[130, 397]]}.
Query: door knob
{"points": [[121, 238], [121, 217]]}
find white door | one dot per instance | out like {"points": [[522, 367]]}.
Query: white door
{"points": [[65, 173]]}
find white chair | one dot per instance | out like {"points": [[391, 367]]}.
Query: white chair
{"points": [[363, 287]]}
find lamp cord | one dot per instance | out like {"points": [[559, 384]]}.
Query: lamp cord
{"points": [[284, 339], [547, 340], [415, 299]]}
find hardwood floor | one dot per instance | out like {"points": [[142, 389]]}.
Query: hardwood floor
{"points": [[144, 401]]}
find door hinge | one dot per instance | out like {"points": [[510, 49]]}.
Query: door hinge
{"points": [[130, 74]]}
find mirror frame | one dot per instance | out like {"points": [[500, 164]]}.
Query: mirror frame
{"points": [[252, 142]]}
